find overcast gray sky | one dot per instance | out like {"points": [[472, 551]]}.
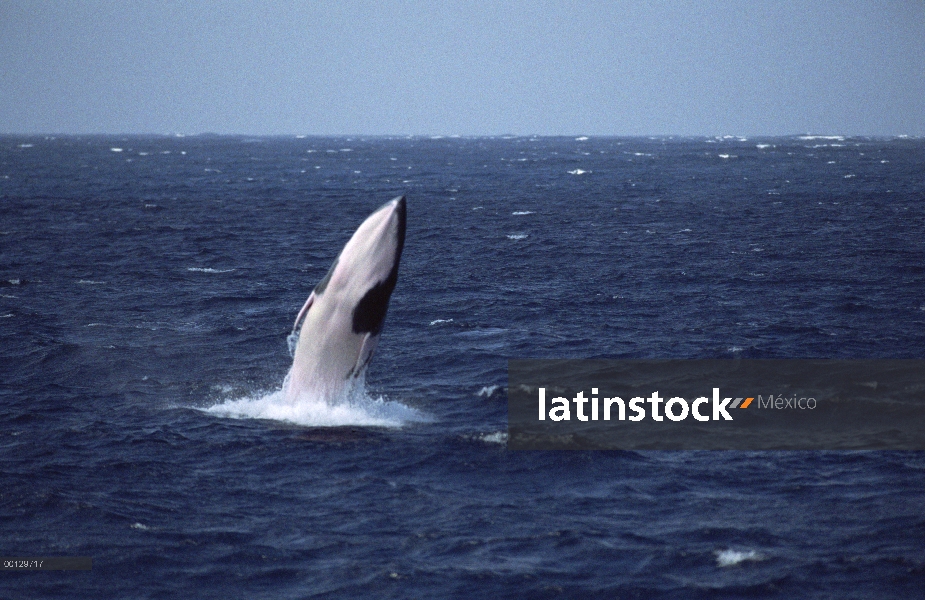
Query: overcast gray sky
{"points": [[452, 67]]}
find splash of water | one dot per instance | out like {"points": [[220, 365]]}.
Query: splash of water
{"points": [[354, 407], [292, 341]]}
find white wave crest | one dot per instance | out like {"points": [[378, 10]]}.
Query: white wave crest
{"points": [[208, 270], [729, 558], [498, 437], [488, 391]]}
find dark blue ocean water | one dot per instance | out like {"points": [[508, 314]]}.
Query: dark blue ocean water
{"points": [[145, 280]]}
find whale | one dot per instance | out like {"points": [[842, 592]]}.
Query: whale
{"points": [[340, 323]]}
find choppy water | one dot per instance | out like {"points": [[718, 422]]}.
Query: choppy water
{"points": [[147, 286]]}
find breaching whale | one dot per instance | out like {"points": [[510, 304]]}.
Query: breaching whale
{"points": [[342, 319]]}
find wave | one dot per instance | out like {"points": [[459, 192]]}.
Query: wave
{"points": [[497, 437], [208, 270], [837, 138], [488, 391], [730, 558]]}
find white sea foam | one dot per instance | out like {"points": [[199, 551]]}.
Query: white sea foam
{"points": [[439, 321], [90, 282], [762, 146], [488, 391], [116, 149], [518, 236], [577, 172], [729, 558], [208, 270], [498, 437], [356, 408], [583, 138], [822, 137], [522, 212], [27, 145]]}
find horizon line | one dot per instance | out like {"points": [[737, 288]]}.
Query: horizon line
{"points": [[436, 136]]}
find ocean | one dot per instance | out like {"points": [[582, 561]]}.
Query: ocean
{"points": [[148, 285]]}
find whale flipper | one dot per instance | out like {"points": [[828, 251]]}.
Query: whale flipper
{"points": [[301, 315]]}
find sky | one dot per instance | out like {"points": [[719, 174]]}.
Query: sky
{"points": [[451, 67]]}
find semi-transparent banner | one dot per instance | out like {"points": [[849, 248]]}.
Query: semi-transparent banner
{"points": [[716, 404]]}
